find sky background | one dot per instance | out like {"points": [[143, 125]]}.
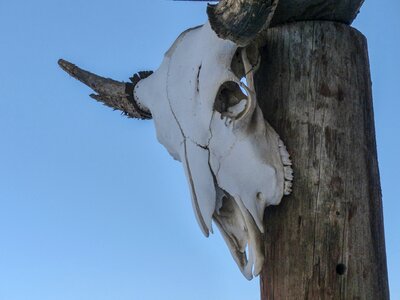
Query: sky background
{"points": [[91, 205]]}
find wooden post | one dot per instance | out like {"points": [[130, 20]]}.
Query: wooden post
{"points": [[326, 240]]}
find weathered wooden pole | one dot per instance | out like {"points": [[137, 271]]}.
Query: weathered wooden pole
{"points": [[326, 240]]}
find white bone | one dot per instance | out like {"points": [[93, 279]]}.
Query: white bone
{"points": [[201, 183], [234, 161]]}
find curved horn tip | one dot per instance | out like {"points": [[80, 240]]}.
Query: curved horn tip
{"points": [[66, 65]]}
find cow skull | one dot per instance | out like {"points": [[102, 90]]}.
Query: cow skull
{"points": [[204, 106]]}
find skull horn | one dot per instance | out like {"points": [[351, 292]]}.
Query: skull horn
{"points": [[241, 21], [112, 93]]}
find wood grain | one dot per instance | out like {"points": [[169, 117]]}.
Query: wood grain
{"points": [[326, 240], [344, 11]]}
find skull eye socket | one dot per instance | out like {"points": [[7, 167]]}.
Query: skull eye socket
{"points": [[231, 99]]}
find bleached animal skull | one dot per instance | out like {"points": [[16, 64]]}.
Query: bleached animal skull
{"points": [[207, 117]]}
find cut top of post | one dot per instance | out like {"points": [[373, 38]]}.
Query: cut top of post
{"points": [[344, 11]]}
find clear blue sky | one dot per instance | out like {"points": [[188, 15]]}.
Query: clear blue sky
{"points": [[91, 206]]}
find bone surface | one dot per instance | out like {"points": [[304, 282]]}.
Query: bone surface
{"points": [[207, 118], [205, 111]]}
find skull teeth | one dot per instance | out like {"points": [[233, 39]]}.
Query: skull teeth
{"points": [[288, 173], [284, 154], [287, 188], [287, 169]]}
